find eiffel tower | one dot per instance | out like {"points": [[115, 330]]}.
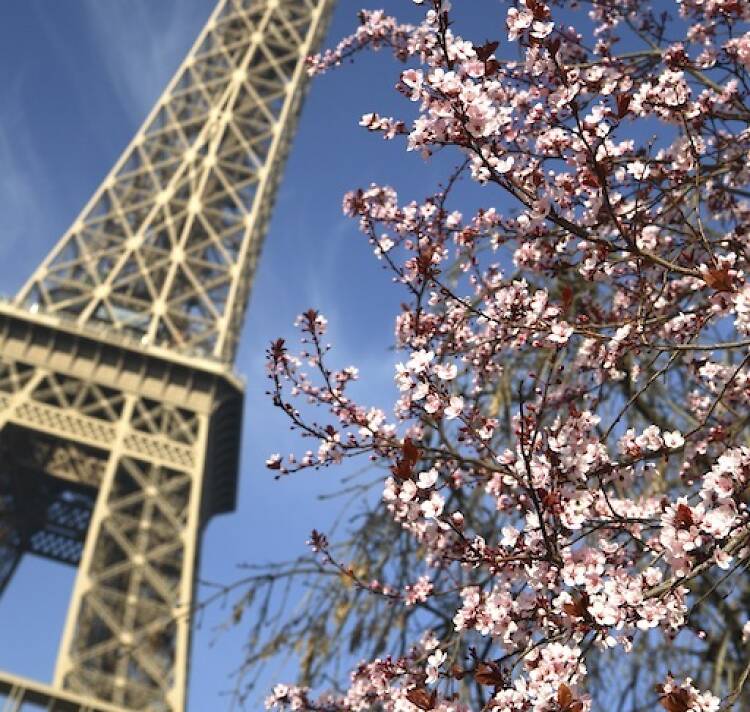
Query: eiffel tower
{"points": [[120, 412]]}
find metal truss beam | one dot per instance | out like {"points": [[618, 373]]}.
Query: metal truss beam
{"points": [[119, 411], [18, 694], [102, 473], [166, 248], [40, 514]]}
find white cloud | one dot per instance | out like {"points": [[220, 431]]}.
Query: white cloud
{"points": [[142, 44], [24, 223]]}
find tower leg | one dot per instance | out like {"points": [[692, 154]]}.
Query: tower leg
{"points": [[117, 396], [127, 636]]}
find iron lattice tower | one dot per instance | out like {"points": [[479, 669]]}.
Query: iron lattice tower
{"points": [[120, 414]]}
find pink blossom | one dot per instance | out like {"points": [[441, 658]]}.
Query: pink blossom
{"points": [[433, 507], [597, 309], [455, 408], [446, 372], [560, 332], [740, 48]]}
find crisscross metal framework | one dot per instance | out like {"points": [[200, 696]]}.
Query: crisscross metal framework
{"points": [[166, 248], [120, 415]]}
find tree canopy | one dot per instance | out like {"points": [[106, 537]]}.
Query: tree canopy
{"points": [[563, 523]]}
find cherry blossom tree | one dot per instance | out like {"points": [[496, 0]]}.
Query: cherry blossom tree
{"points": [[563, 523]]}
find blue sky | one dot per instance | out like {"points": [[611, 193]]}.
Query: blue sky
{"points": [[76, 79]]}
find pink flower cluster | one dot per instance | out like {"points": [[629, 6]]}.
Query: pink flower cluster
{"points": [[578, 363]]}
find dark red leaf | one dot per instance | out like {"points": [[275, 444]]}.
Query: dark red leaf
{"points": [[278, 349], [410, 451], [623, 104], [564, 696], [420, 697], [488, 674], [402, 470], [683, 517], [719, 279], [676, 701], [490, 67], [485, 51], [538, 9], [578, 607], [566, 701], [589, 179]]}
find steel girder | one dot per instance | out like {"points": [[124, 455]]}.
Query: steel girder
{"points": [[119, 411], [166, 248]]}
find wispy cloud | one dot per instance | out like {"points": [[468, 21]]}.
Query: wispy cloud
{"points": [[24, 223], [142, 43]]}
